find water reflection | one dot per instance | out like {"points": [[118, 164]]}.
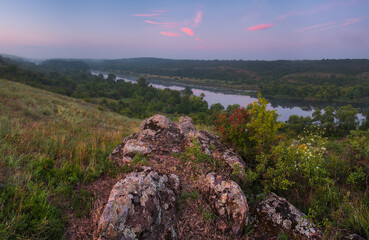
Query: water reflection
{"points": [[284, 107]]}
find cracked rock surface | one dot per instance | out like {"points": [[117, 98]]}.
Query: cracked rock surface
{"points": [[281, 213], [141, 206], [159, 134]]}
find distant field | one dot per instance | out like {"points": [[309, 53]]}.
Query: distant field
{"points": [[49, 145]]}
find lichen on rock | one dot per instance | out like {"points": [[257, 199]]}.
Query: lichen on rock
{"points": [[230, 203], [141, 206], [280, 212]]}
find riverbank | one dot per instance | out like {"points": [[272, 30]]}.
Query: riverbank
{"points": [[244, 89]]}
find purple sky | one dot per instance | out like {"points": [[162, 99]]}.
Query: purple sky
{"points": [[213, 29]]}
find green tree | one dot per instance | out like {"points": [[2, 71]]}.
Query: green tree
{"points": [[141, 81], [365, 125], [347, 117], [217, 107], [231, 108], [327, 119], [299, 123], [317, 115], [187, 90], [111, 77]]}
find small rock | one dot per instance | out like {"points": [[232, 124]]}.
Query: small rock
{"points": [[185, 124], [283, 214], [133, 146], [156, 124], [355, 237], [228, 200]]}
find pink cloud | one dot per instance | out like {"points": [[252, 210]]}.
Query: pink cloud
{"points": [[164, 24], [188, 31], [198, 18], [170, 34], [199, 40], [146, 14], [260, 27], [158, 23]]}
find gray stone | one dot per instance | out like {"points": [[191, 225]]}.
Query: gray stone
{"points": [[133, 146], [228, 200], [185, 124], [141, 206], [283, 214]]}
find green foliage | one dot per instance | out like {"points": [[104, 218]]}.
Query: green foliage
{"points": [[253, 129], [356, 217], [347, 117], [298, 123], [185, 197], [357, 177], [82, 203], [140, 160], [283, 236], [134, 100], [207, 213], [26, 212], [196, 155], [301, 163]]}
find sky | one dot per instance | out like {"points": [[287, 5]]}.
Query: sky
{"points": [[176, 29]]}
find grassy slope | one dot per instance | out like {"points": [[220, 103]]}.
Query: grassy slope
{"points": [[49, 144]]}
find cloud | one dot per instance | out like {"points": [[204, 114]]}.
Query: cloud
{"points": [[188, 31], [146, 14], [199, 40], [151, 22], [165, 24], [170, 34], [352, 21], [198, 19], [322, 27], [260, 27]]}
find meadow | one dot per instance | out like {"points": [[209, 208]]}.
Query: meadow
{"points": [[49, 145]]}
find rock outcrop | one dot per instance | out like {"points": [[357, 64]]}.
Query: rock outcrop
{"points": [[281, 213], [161, 135], [228, 200], [141, 206], [177, 198]]}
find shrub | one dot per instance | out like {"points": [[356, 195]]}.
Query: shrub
{"points": [[253, 130]]}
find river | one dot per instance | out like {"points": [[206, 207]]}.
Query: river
{"points": [[226, 97]]}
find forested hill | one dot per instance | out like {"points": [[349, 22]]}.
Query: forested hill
{"points": [[203, 68]]}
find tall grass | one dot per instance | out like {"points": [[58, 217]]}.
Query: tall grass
{"points": [[48, 145]]}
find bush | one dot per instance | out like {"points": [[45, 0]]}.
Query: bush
{"points": [[253, 130]]}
